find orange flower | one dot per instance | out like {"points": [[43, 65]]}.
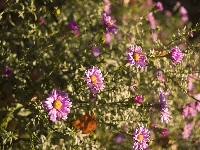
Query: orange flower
{"points": [[85, 123]]}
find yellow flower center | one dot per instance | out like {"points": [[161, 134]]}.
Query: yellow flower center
{"points": [[93, 78], [57, 104], [136, 56], [140, 137]]}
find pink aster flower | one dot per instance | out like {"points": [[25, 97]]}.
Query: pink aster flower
{"points": [[138, 98], [176, 55], [58, 104], [187, 131], [151, 20], [141, 138], [135, 56], [109, 24], [189, 111], [94, 79]]}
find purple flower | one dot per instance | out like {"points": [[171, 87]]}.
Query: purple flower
{"points": [[141, 138], [94, 79], [176, 55], [164, 132], [187, 130], [119, 138], [151, 20], [109, 24], [162, 98], [136, 57], [95, 51], [159, 6], [72, 25], [7, 71], [58, 104], [138, 98]]}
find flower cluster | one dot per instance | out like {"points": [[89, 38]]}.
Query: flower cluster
{"points": [[58, 104], [109, 24], [94, 79], [141, 138], [135, 56]]}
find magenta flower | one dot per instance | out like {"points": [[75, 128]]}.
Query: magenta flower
{"points": [[187, 131], [141, 138], [138, 98], [94, 79], [159, 6], [58, 104], [72, 25], [135, 56], [164, 132], [109, 24], [176, 55], [7, 71]]}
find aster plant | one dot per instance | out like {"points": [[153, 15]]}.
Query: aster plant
{"points": [[50, 43], [58, 105]]}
